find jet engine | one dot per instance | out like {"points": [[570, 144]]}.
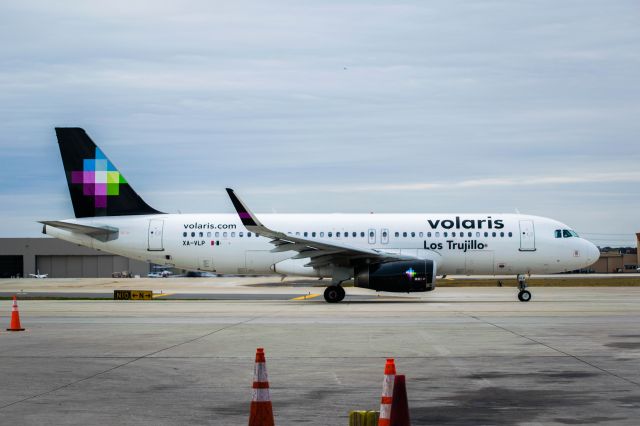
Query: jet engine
{"points": [[403, 276]]}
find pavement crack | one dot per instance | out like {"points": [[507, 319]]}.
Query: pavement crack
{"points": [[575, 357], [131, 361]]}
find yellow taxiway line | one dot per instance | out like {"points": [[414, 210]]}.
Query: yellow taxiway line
{"points": [[155, 296], [306, 297]]}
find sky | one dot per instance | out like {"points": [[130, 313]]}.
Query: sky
{"points": [[332, 106]]}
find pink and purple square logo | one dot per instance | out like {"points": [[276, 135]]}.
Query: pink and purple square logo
{"points": [[99, 179]]}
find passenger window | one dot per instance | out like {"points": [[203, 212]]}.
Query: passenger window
{"points": [[362, 234], [477, 234], [470, 234], [322, 234], [493, 234], [453, 234], [404, 234], [240, 234], [446, 234], [486, 234], [510, 234], [305, 234], [208, 234], [201, 234], [566, 233], [502, 234], [421, 234], [224, 234], [371, 234], [248, 234], [354, 234], [413, 235], [397, 234], [346, 234], [233, 234], [329, 234], [184, 234], [217, 234], [313, 234], [337, 234], [297, 234], [193, 234], [384, 234], [438, 234]]}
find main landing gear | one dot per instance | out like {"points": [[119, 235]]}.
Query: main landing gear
{"points": [[523, 295], [334, 294]]}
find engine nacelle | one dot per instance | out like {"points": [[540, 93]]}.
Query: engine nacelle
{"points": [[403, 276]]}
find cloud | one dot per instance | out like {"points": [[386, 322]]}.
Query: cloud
{"points": [[538, 181], [479, 105]]}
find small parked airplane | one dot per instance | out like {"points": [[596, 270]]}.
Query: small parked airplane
{"points": [[39, 275], [382, 252]]}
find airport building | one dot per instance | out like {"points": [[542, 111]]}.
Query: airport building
{"points": [[617, 261], [20, 257]]}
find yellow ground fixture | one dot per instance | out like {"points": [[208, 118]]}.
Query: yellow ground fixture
{"points": [[132, 295], [363, 418]]}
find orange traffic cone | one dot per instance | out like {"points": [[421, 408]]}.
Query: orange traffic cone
{"points": [[400, 404], [15, 317], [261, 409], [387, 393]]}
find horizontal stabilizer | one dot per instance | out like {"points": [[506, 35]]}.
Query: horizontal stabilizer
{"points": [[100, 233]]}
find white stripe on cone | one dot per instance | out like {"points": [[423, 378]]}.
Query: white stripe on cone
{"points": [[260, 372], [260, 395], [387, 385]]}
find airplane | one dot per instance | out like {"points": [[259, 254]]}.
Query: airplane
{"points": [[399, 253], [39, 275]]}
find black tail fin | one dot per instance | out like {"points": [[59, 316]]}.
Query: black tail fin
{"points": [[97, 188]]}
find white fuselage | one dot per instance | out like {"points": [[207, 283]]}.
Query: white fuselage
{"points": [[472, 244]]}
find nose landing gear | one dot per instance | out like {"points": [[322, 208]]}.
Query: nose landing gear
{"points": [[523, 295], [334, 294]]}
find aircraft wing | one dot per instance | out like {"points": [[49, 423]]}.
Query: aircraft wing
{"points": [[101, 233], [319, 252]]}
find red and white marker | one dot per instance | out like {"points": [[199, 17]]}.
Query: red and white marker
{"points": [[387, 393], [261, 409]]}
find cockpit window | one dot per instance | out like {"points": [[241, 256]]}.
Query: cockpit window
{"points": [[565, 233]]}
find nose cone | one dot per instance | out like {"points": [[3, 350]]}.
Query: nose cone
{"points": [[592, 251]]}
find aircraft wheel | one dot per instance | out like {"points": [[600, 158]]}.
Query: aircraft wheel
{"points": [[334, 294], [524, 296]]}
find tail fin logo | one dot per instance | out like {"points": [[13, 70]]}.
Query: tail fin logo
{"points": [[99, 179]]}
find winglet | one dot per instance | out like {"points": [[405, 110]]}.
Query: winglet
{"points": [[247, 218]]}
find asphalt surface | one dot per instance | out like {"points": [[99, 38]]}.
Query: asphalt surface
{"points": [[471, 356]]}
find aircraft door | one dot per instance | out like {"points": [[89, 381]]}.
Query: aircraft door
{"points": [[372, 236], [384, 236], [156, 227], [527, 236]]}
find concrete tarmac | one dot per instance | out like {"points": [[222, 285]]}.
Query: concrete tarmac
{"points": [[471, 356]]}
